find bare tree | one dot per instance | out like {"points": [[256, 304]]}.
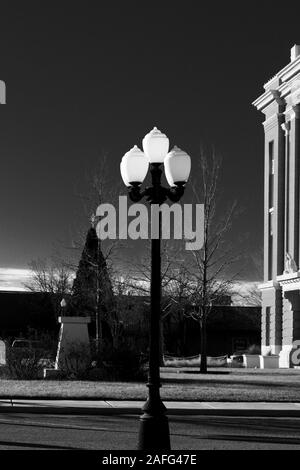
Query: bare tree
{"points": [[98, 188], [138, 280], [209, 270], [249, 293], [52, 278], [253, 295]]}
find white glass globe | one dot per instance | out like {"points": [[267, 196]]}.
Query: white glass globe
{"points": [[156, 146], [134, 166], [177, 166]]}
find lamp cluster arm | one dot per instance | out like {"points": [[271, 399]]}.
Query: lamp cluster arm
{"points": [[156, 194]]}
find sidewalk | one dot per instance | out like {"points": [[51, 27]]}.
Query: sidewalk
{"points": [[134, 407]]}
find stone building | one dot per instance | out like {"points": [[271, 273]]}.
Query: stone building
{"points": [[280, 104]]}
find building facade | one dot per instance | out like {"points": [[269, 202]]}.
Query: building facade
{"points": [[280, 104]]}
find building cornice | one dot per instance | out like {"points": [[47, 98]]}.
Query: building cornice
{"points": [[287, 88], [267, 98], [289, 281], [269, 285], [282, 83], [285, 74], [289, 70]]}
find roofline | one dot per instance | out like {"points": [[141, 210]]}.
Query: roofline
{"points": [[283, 76]]}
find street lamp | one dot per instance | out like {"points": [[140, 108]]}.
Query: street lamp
{"points": [[154, 427], [63, 305]]}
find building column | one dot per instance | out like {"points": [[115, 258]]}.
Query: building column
{"points": [[293, 230], [274, 198], [286, 128], [296, 145]]}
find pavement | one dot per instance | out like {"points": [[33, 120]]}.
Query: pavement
{"points": [[87, 407]]}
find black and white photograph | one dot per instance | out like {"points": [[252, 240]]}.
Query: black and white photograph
{"points": [[149, 231]]}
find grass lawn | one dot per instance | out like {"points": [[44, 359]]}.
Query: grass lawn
{"points": [[183, 384]]}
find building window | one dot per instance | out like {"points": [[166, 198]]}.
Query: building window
{"points": [[271, 208], [268, 315], [271, 174]]}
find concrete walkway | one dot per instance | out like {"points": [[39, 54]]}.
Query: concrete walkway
{"points": [[134, 407]]}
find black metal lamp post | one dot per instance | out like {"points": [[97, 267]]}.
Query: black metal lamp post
{"points": [[154, 427]]}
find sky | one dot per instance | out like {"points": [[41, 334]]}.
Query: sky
{"points": [[89, 81]]}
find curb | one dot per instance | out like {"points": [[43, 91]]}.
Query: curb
{"points": [[69, 410]]}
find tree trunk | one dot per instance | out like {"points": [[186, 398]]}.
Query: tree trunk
{"points": [[99, 338], [184, 340], [203, 360]]}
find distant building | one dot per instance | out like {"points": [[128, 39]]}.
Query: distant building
{"points": [[22, 311], [280, 104], [229, 330]]}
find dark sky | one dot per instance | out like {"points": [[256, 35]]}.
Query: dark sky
{"points": [[89, 80]]}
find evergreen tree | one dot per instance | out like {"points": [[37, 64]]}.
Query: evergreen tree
{"points": [[92, 293]]}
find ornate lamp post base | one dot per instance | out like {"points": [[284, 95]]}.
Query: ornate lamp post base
{"points": [[154, 432], [154, 425]]}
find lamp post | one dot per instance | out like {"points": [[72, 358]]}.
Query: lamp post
{"points": [[63, 306], [154, 427]]}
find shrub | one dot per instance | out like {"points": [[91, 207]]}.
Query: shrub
{"points": [[253, 349], [235, 365], [194, 361], [121, 363], [26, 363], [4, 372], [97, 373]]}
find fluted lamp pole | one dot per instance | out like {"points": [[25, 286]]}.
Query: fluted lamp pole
{"points": [[154, 426]]}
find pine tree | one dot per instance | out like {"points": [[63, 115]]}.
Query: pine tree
{"points": [[92, 293]]}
